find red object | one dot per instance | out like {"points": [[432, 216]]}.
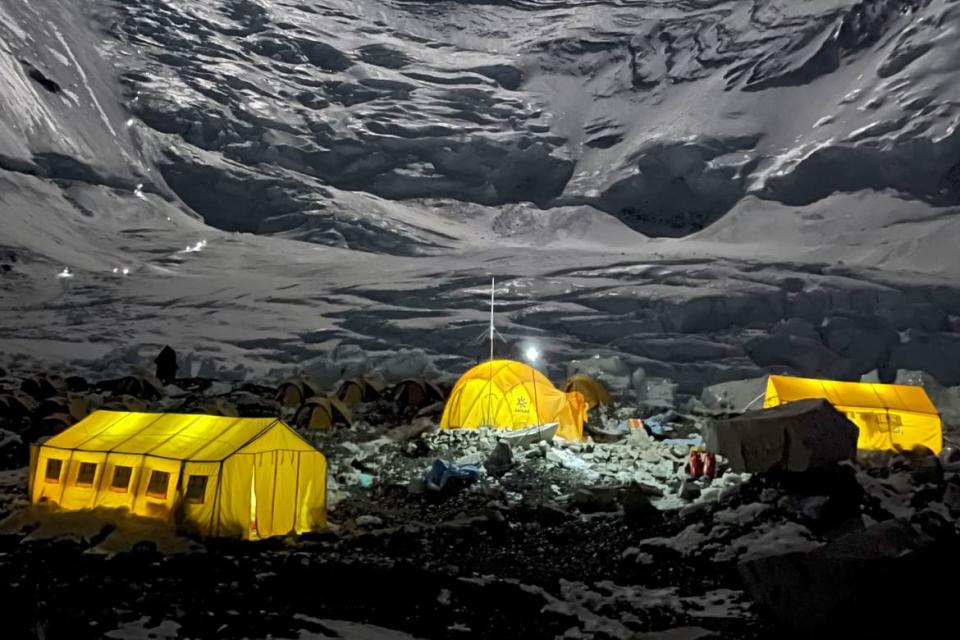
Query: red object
{"points": [[709, 464], [696, 464]]}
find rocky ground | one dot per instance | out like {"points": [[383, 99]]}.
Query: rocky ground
{"points": [[598, 540]]}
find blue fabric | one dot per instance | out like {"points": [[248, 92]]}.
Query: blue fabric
{"points": [[437, 475], [693, 441]]}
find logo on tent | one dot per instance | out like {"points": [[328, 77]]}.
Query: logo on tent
{"points": [[522, 404]]}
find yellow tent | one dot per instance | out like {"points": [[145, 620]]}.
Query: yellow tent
{"points": [[890, 416], [242, 477], [511, 395], [594, 391]]}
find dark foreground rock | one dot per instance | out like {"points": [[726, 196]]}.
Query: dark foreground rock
{"points": [[793, 437]]}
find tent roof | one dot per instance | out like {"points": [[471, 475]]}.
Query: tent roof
{"points": [[505, 374], [175, 436], [864, 395]]}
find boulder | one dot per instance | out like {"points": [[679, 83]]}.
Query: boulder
{"points": [[806, 355], [637, 508], [863, 343], [500, 459], [837, 587], [658, 393], [735, 395], [935, 353], [796, 436], [595, 499], [612, 371]]}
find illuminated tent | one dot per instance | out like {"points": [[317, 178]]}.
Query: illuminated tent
{"points": [[890, 416], [594, 391], [510, 395], [242, 477]]}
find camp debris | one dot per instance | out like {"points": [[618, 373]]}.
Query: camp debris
{"points": [[412, 394], [322, 413], [441, 472], [363, 389], [530, 435], [797, 436], [237, 477], [505, 394], [594, 392], [891, 417]]}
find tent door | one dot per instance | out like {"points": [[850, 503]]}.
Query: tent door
{"points": [[254, 534]]}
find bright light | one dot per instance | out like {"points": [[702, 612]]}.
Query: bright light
{"points": [[126, 271], [65, 273], [532, 354]]}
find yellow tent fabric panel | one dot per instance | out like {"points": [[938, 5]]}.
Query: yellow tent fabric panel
{"points": [[221, 476], [890, 417], [510, 395]]}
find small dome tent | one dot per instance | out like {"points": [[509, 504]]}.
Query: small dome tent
{"points": [[413, 394], [505, 394], [356, 390], [594, 391], [322, 413]]}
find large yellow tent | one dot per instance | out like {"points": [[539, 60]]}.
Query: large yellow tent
{"points": [[511, 395], [890, 416], [241, 477]]}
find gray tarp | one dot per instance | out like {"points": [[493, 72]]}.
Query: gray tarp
{"points": [[792, 437]]}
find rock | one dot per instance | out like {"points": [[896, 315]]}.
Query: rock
{"points": [[637, 508], [735, 395], [647, 488], [864, 342], [925, 467], [689, 490], [951, 498], [473, 458], [796, 327], [369, 521], [612, 371], [837, 586], [658, 393], [550, 514], [416, 487], [166, 362], [595, 499], [934, 353], [412, 430], [636, 380], [806, 355], [500, 459], [797, 436]]}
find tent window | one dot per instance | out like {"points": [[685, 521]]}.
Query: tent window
{"points": [[121, 479], [86, 474], [196, 489], [158, 484], [54, 466]]}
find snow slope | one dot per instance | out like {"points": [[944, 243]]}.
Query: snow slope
{"points": [[664, 181]]}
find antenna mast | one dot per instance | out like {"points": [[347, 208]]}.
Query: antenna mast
{"points": [[492, 329]]}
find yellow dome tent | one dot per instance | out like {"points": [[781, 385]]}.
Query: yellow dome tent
{"points": [[890, 416], [594, 391], [510, 395], [243, 477]]}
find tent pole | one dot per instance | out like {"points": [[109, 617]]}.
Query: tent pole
{"points": [[489, 419]]}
